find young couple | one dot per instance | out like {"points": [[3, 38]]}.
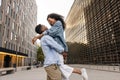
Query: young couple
{"points": [[55, 49]]}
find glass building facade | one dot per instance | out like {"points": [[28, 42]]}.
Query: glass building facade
{"points": [[17, 21], [102, 30]]}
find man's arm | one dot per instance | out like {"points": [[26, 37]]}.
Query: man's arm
{"points": [[37, 37], [53, 31], [53, 44]]}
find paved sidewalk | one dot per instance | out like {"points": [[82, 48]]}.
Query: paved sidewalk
{"points": [[99, 67], [40, 74]]}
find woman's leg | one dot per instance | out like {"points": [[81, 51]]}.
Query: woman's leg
{"points": [[77, 71], [82, 72]]}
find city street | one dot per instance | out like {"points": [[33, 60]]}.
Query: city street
{"points": [[40, 74], [33, 32]]}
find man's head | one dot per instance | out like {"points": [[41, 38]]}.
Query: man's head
{"points": [[40, 28]]}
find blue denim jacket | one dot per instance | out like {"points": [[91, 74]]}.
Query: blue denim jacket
{"points": [[57, 32]]}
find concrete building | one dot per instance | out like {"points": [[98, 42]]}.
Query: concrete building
{"points": [[17, 21], [96, 25]]}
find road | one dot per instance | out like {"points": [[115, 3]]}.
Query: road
{"points": [[40, 74]]}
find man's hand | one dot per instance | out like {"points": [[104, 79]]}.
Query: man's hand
{"points": [[34, 39], [37, 37]]}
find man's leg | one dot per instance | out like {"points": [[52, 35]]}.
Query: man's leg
{"points": [[53, 72]]}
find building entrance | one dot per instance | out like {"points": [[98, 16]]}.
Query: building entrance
{"points": [[7, 61]]}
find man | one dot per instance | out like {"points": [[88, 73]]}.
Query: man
{"points": [[50, 50], [48, 44]]}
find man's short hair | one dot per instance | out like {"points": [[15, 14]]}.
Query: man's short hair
{"points": [[38, 29]]}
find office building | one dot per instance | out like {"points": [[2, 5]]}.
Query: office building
{"points": [[96, 25], [17, 21]]}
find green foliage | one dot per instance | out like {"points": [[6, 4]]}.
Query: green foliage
{"points": [[40, 56]]}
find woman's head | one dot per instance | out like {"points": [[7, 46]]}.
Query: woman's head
{"points": [[53, 17]]}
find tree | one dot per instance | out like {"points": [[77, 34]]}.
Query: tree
{"points": [[40, 56]]}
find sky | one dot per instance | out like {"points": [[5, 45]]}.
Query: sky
{"points": [[46, 7]]}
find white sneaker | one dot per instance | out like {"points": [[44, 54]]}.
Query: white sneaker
{"points": [[84, 74]]}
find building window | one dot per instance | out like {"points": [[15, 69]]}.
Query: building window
{"points": [[11, 12], [15, 37], [4, 44], [0, 15], [0, 28], [0, 2], [10, 1], [8, 9], [8, 45], [17, 8], [14, 3], [113, 36], [3, 30], [13, 25], [8, 33], [14, 16], [11, 37], [23, 17], [7, 22], [19, 31]]}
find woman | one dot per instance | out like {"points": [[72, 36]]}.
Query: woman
{"points": [[57, 32]]}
